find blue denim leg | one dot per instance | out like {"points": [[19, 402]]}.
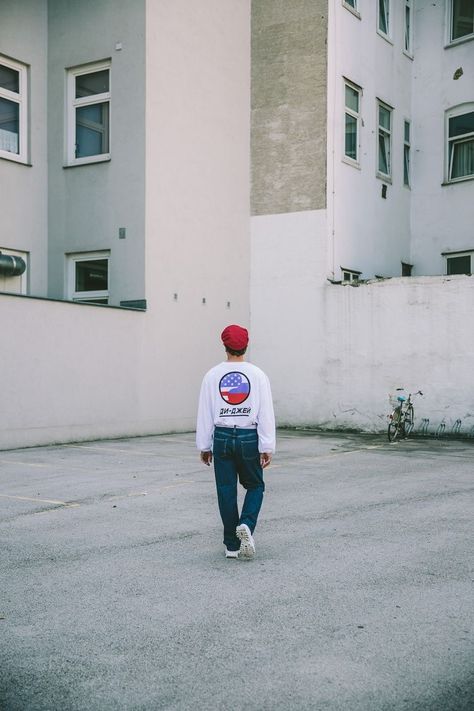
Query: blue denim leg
{"points": [[236, 457], [251, 477], [225, 469]]}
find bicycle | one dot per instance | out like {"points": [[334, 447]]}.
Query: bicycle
{"points": [[402, 419]]}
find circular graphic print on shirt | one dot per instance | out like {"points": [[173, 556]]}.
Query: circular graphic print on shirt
{"points": [[234, 388]]}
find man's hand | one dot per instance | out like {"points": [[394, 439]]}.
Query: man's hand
{"points": [[206, 458], [265, 459]]}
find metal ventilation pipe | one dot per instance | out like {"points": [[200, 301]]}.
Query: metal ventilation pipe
{"points": [[11, 266]]}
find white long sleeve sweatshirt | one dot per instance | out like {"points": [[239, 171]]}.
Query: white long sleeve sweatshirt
{"points": [[235, 394]]}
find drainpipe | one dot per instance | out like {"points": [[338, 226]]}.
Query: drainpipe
{"points": [[11, 266]]}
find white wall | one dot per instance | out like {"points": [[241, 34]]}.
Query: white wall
{"points": [[366, 232], [23, 194], [442, 215], [75, 371]]}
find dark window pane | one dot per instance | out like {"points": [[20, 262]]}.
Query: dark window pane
{"points": [[407, 131], [461, 159], [460, 125], [383, 16], [92, 275], [406, 165], [94, 83], [92, 130], [352, 3], [9, 79], [463, 18], [459, 265], [351, 137], [9, 126]]}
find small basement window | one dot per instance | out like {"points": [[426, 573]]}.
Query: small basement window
{"points": [[350, 275], [88, 277]]}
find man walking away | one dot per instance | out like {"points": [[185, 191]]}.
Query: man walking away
{"points": [[236, 425]]}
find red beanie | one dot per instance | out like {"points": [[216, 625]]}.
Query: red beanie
{"points": [[235, 337]]}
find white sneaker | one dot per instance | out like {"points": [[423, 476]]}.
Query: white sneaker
{"points": [[247, 544], [231, 554]]}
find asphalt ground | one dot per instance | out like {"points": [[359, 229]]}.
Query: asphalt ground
{"points": [[115, 592]]}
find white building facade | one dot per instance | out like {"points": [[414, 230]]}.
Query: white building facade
{"points": [[167, 168]]}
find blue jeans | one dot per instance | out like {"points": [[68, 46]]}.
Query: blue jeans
{"points": [[236, 458]]}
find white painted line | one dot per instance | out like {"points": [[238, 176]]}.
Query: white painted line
{"points": [[41, 501]]}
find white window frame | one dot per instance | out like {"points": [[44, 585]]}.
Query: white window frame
{"points": [[387, 7], [22, 100], [407, 150], [350, 275], [357, 115], [449, 27], [408, 31], [451, 113], [389, 132], [73, 104], [85, 296], [352, 8]]}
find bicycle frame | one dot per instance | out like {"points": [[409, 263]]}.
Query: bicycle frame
{"points": [[402, 417]]}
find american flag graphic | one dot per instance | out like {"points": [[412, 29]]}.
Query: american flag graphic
{"points": [[234, 388]]}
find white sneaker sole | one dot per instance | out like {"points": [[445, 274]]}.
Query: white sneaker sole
{"points": [[247, 546], [232, 554]]}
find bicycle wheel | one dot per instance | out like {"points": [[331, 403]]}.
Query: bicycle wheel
{"points": [[394, 426], [409, 420]]}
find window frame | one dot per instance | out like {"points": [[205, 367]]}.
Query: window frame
{"points": [[357, 115], [384, 176], [354, 9], [388, 14], [353, 274], [20, 98], [407, 150], [449, 27], [408, 35], [454, 111], [74, 103], [86, 296]]}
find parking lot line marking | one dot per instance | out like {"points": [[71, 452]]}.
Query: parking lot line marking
{"points": [[25, 464], [42, 501]]}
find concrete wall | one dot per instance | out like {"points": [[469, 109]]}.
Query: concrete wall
{"points": [[88, 203], [23, 194], [288, 105], [442, 215], [334, 353]]}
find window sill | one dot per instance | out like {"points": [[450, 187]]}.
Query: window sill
{"points": [[457, 42], [385, 37], [458, 180], [352, 10], [408, 55], [91, 161], [351, 162], [385, 178], [15, 159]]}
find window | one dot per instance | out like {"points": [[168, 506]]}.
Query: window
{"points": [[352, 121], [89, 114], [406, 154], [384, 160], [351, 5], [88, 277], [460, 143], [350, 275], [408, 40], [383, 19], [407, 269], [459, 263], [13, 111], [461, 19]]}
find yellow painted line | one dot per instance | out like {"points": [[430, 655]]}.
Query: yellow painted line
{"points": [[41, 501], [146, 493]]}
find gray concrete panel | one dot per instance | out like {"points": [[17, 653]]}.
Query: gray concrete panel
{"points": [[289, 77]]}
